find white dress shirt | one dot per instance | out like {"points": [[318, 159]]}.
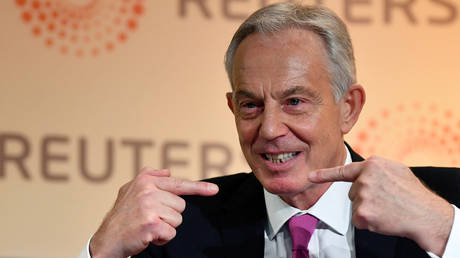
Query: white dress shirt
{"points": [[334, 233], [333, 236]]}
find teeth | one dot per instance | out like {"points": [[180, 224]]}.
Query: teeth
{"points": [[280, 158]]}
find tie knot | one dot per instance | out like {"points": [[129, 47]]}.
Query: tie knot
{"points": [[301, 228]]}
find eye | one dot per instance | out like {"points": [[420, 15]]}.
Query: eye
{"points": [[249, 105], [294, 102], [249, 109]]}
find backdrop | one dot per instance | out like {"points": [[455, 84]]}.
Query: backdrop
{"points": [[92, 90]]}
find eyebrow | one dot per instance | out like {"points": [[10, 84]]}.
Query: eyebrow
{"points": [[243, 93], [284, 94], [300, 90]]}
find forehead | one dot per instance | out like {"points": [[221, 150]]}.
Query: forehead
{"points": [[289, 55]]}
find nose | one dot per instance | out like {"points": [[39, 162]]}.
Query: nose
{"points": [[272, 125]]}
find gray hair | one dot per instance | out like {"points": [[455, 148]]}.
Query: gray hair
{"points": [[320, 20]]}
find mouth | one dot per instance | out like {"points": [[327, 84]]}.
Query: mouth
{"points": [[281, 157]]}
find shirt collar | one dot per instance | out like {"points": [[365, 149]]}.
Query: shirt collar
{"points": [[333, 208]]}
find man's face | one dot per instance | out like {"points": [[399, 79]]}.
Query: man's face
{"points": [[287, 119]]}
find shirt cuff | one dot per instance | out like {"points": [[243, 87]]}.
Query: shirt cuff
{"points": [[452, 250], [85, 252], [453, 243]]}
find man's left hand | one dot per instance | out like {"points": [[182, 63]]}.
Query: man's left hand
{"points": [[389, 199]]}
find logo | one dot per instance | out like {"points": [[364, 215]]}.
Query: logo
{"points": [[82, 27], [415, 133]]}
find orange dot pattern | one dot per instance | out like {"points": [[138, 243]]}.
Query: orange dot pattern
{"points": [[410, 129], [82, 27]]}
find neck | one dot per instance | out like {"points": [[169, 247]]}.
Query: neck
{"points": [[307, 198]]}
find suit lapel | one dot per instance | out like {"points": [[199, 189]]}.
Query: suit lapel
{"points": [[354, 156], [369, 244], [243, 221], [372, 245]]}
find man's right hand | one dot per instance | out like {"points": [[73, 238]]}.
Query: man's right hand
{"points": [[147, 209]]}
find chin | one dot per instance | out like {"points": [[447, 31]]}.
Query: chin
{"points": [[285, 186]]}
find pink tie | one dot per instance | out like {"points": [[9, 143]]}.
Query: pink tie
{"points": [[301, 228]]}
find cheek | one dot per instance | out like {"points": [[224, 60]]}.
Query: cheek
{"points": [[304, 128], [247, 131], [316, 129]]}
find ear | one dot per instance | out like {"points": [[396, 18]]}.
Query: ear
{"points": [[229, 96], [352, 103]]}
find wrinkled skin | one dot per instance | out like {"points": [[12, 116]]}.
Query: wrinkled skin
{"points": [[147, 209], [284, 104]]}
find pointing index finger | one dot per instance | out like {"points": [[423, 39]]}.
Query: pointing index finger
{"points": [[185, 187], [346, 173]]}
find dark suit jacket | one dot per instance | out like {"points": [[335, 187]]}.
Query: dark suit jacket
{"points": [[231, 224]]}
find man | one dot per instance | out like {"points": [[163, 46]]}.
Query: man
{"points": [[294, 95]]}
